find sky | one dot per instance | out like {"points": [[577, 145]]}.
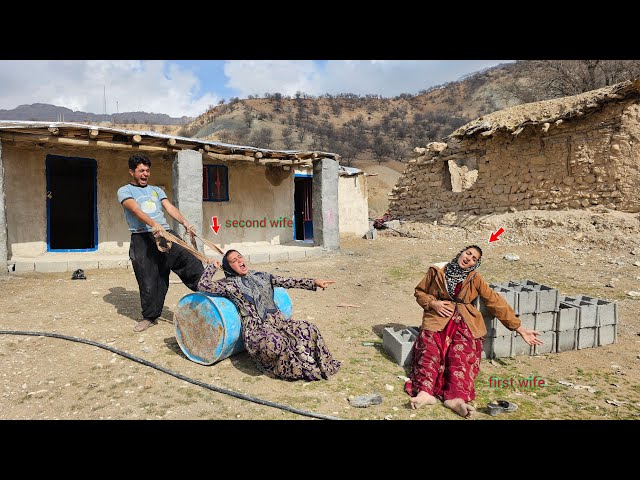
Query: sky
{"points": [[190, 87]]}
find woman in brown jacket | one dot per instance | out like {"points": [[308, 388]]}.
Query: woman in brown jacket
{"points": [[447, 352]]}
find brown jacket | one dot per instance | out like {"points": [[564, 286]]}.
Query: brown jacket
{"points": [[434, 287]]}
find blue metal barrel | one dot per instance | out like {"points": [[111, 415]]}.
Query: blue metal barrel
{"points": [[208, 327]]}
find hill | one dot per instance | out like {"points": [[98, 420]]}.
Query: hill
{"points": [[45, 112]]}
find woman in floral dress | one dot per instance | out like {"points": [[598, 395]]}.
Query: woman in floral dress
{"points": [[283, 348]]}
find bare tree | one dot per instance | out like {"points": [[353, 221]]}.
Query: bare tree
{"points": [[545, 79], [248, 117], [380, 149], [262, 137], [287, 139]]}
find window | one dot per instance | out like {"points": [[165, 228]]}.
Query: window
{"points": [[215, 183]]}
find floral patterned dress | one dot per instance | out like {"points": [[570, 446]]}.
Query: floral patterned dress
{"points": [[283, 348]]}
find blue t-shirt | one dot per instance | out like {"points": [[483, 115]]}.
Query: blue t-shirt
{"points": [[149, 200]]}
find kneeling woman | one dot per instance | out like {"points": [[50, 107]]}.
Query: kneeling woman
{"points": [[283, 348], [447, 352]]}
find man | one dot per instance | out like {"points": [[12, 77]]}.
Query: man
{"points": [[143, 205]]}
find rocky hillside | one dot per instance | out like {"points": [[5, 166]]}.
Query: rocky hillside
{"points": [[381, 129], [355, 126]]}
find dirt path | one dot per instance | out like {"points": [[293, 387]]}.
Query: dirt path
{"points": [[50, 378]]}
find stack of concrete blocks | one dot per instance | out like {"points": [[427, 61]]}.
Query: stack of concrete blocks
{"points": [[586, 322], [399, 344], [537, 306], [564, 323]]}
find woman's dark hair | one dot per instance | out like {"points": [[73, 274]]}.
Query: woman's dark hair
{"points": [[135, 160], [226, 267], [476, 247]]}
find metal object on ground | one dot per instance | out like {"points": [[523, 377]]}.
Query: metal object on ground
{"points": [[208, 327]]}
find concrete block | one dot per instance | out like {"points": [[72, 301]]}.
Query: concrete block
{"points": [[588, 317], [548, 298], [528, 320], [399, 344], [371, 234], [607, 334], [278, 256], [495, 328], [520, 347], [395, 224], [568, 317], [502, 346], [24, 267], [549, 345], [487, 347], [587, 338], [546, 321], [259, 258], [113, 263], [296, 254], [51, 266], [313, 252], [73, 265], [607, 312], [527, 298], [508, 294], [566, 340]]}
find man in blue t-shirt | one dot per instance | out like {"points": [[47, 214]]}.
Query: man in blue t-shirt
{"points": [[143, 204]]}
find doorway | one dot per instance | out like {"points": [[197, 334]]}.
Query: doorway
{"points": [[302, 207], [72, 215]]}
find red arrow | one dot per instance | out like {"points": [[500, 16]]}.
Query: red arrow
{"points": [[496, 236], [215, 227]]}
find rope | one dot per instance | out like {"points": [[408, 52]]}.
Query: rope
{"points": [[173, 374], [162, 236]]}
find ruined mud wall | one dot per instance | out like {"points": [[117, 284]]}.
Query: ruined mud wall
{"points": [[577, 163]]}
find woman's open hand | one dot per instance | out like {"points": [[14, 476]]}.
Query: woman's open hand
{"points": [[442, 307], [323, 283], [529, 336]]}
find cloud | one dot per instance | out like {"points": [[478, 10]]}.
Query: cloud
{"points": [[83, 85], [388, 78]]}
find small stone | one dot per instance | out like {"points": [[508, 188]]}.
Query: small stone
{"points": [[395, 409], [412, 415], [365, 401], [388, 387], [388, 417], [511, 257]]}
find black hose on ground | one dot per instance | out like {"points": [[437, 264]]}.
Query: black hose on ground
{"points": [[173, 374]]}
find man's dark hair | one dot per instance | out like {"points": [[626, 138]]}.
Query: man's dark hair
{"points": [[135, 160]]}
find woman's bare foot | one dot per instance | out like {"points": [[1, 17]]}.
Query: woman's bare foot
{"points": [[460, 407], [423, 398]]}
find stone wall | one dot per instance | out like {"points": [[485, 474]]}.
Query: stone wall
{"points": [[577, 163]]}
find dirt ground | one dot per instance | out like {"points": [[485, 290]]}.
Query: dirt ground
{"points": [[590, 253]]}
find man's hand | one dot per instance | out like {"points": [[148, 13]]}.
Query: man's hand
{"points": [[156, 229], [190, 228], [323, 283]]}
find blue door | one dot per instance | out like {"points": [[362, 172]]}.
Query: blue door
{"points": [[72, 216]]}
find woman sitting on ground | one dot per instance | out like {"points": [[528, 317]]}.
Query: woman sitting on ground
{"points": [[447, 352], [283, 348]]}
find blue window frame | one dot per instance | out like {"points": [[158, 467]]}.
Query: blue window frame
{"points": [[215, 183]]}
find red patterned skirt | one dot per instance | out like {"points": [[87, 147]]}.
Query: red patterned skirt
{"points": [[446, 363]]}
